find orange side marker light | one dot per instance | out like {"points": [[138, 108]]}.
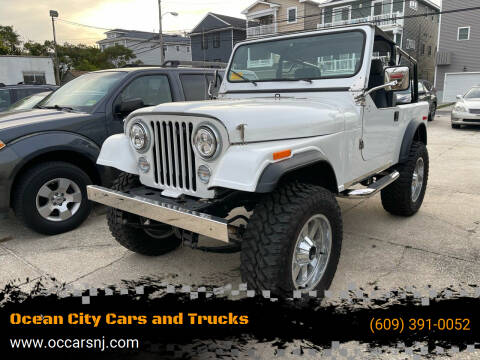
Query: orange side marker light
{"points": [[282, 154]]}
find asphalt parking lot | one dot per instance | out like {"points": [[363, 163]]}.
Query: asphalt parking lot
{"points": [[440, 246]]}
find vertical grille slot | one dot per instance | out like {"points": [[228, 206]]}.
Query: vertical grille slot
{"points": [[155, 151], [173, 155]]}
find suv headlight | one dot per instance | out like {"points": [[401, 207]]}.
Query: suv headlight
{"points": [[206, 141], [460, 108], [139, 137]]}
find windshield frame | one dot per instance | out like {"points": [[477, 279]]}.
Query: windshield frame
{"points": [[94, 109], [316, 34]]}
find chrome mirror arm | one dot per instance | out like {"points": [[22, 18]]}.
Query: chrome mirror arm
{"points": [[360, 99]]}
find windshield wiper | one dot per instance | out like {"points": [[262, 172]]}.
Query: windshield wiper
{"points": [[244, 78], [306, 80], [58, 107]]}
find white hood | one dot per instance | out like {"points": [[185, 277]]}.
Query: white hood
{"points": [[265, 118], [472, 103]]}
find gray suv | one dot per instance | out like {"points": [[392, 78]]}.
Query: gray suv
{"points": [[48, 154]]}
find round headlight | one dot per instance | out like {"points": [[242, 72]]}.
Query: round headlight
{"points": [[139, 137], [206, 142]]}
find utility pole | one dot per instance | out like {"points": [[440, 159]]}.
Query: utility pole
{"points": [[160, 33], [54, 14]]}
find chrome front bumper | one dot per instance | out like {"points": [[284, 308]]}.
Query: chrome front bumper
{"points": [[202, 224]]}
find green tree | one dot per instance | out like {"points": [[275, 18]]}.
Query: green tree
{"points": [[118, 56], [37, 49], [9, 41]]}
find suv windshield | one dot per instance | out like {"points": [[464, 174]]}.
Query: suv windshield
{"points": [[473, 94], [299, 58], [84, 92]]}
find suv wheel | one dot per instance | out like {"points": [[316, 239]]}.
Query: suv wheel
{"points": [[136, 233], [405, 196], [293, 241], [433, 111], [51, 198]]}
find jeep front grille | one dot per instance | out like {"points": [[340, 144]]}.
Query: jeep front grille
{"points": [[174, 160]]}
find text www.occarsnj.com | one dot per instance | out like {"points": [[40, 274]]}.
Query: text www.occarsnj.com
{"points": [[100, 344]]}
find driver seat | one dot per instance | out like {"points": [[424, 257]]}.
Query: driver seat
{"points": [[376, 78]]}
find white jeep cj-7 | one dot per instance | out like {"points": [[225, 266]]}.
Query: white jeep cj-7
{"points": [[300, 119]]}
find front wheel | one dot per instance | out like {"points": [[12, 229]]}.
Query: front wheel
{"points": [[433, 111], [405, 196], [51, 197], [293, 241], [136, 233]]}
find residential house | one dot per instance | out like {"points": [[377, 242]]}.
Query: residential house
{"points": [[398, 18], [16, 69], [146, 45], [214, 37], [458, 65], [273, 16]]}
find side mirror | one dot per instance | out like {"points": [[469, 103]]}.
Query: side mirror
{"points": [[459, 97], [398, 74], [127, 106]]}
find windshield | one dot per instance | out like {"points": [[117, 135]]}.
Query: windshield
{"points": [[29, 102], [84, 92], [473, 94], [300, 58]]}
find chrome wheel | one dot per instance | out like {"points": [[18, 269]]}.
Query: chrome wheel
{"points": [[312, 252], [417, 180], [58, 199]]}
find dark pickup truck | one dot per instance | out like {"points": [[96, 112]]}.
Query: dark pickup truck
{"points": [[48, 154]]}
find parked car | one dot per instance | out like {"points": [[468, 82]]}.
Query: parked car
{"points": [[9, 94], [426, 92], [282, 146], [29, 102], [48, 154], [466, 111]]}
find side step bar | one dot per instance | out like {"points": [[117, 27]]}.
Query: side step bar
{"points": [[372, 189]]}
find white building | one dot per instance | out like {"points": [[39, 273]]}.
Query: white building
{"points": [[26, 69], [146, 45]]}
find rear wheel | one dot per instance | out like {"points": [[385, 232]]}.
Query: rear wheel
{"points": [[405, 196], [293, 241], [137, 233]]}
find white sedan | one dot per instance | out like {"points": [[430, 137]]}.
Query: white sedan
{"points": [[467, 109]]}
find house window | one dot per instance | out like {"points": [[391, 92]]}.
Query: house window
{"points": [[430, 50], [216, 40], [423, 49], [34, 78], [178, 48], [413, 4], [398, 39], [463, 33], [341, 14], [188, 49], [410, 44], [204, 42], [292, 15]]}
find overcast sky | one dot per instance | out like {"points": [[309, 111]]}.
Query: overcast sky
{"points": [[31, 20]]}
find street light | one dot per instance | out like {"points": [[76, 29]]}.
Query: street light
{"points": [[160, 16], [54, 14]]}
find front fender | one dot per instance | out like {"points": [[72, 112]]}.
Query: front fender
{"points": [[31, 146], [117, 153], [241, 166]]}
